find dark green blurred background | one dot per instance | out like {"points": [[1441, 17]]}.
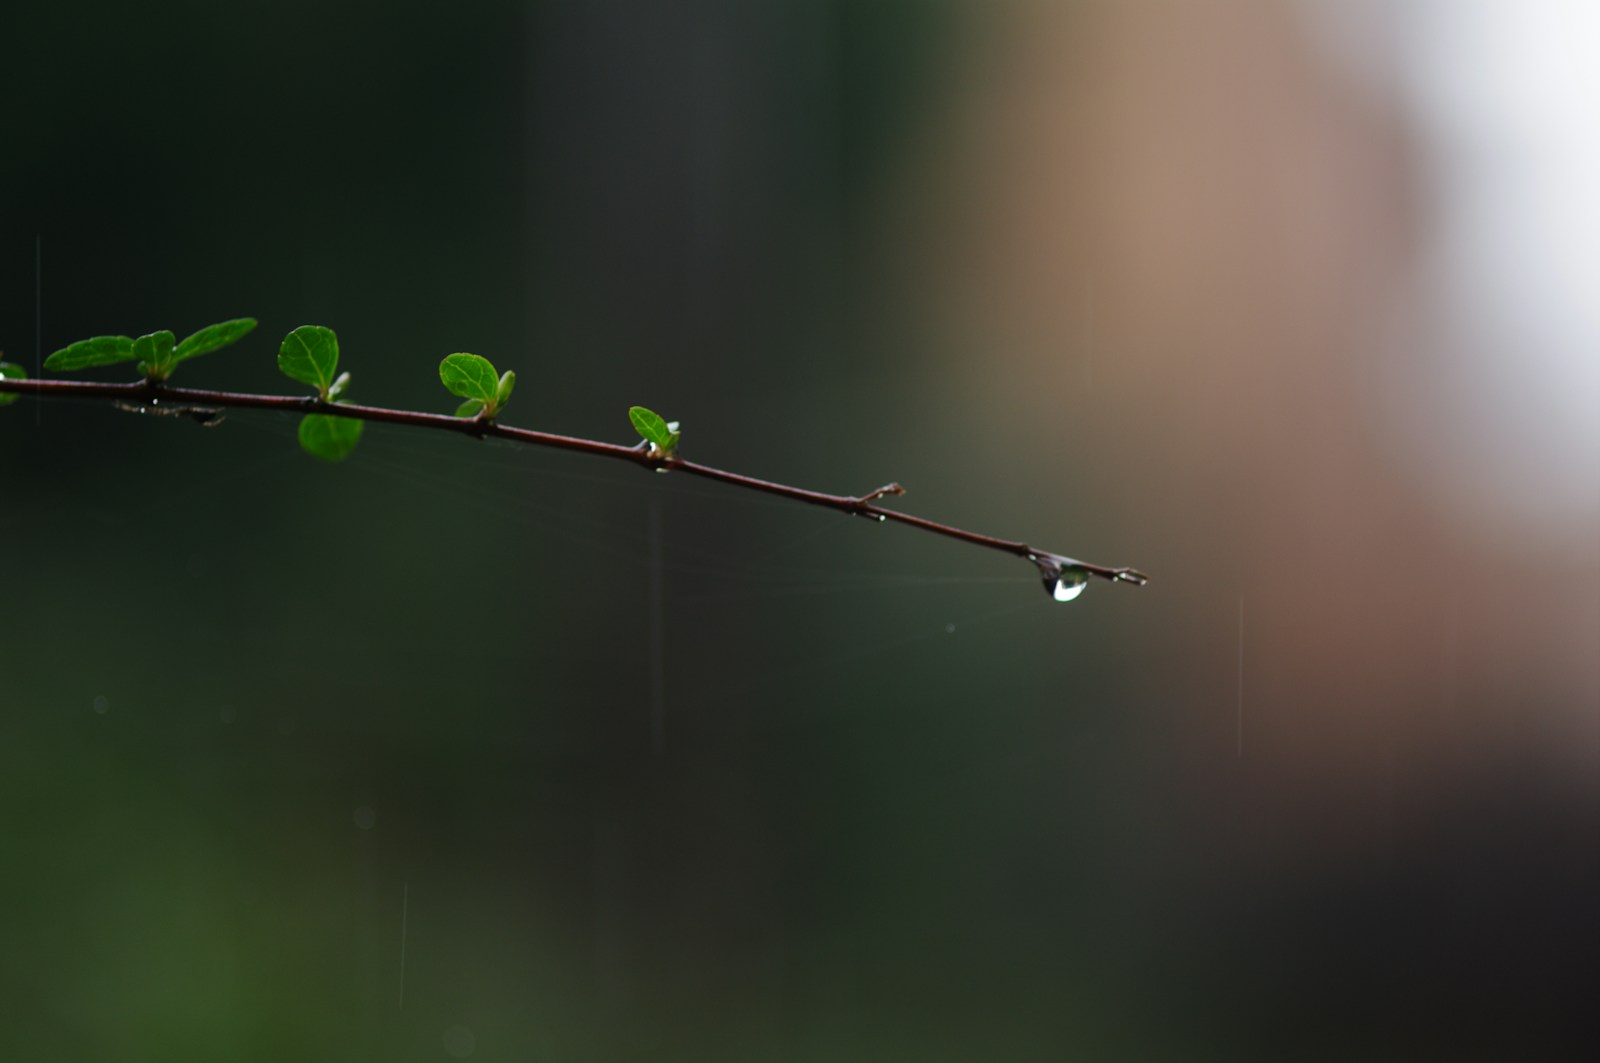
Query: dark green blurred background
{"points": [[461, 750]]}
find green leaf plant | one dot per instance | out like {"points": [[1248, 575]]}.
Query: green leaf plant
{"points": [[473, 378], [157, 353], [310, 354], [663, 436], [330, 427], [10, 372]]}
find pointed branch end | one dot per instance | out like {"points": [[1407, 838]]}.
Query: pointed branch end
{"points": [[1051, 565]]}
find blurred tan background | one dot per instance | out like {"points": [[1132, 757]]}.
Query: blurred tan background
{"points": [[1304, 293]]}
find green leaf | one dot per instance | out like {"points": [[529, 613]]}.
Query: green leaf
{"points": [[101, 350], [329, 438], [470, 408], [502, 395], [8, 371], [213, 338], [310, 354], [340, 386], [657, 432], [469, 376], [154, 352]]}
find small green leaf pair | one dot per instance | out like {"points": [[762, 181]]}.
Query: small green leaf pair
{"points": [[310, 354], [10, 371], [158, 354], [662, 435], [473, 378]]}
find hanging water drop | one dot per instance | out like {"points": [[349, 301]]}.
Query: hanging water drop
{"points": [[1067, 585], [1063, 581]]}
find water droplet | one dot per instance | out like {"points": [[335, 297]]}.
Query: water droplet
{"points": [[1063, 581], [949, 629], [102, 704], [365, 818]]}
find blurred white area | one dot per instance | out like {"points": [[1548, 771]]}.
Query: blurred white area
{"points": [[1499, 403]]}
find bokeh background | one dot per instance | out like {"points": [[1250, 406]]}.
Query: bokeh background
{"points": [[465, 751]]}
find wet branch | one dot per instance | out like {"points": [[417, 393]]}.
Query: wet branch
{"points": [[204, 406]]}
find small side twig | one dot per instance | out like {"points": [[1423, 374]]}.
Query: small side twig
{"points": [[883, 492]]}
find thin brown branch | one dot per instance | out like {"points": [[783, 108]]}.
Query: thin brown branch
{"points": [[195, 402]]}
